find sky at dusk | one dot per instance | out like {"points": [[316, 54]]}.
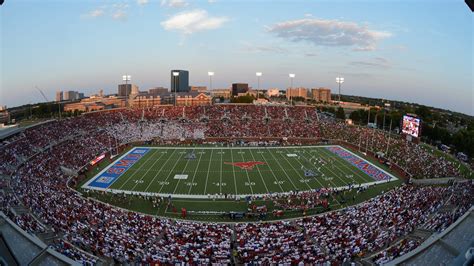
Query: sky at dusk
{"points": [[415, 51]]}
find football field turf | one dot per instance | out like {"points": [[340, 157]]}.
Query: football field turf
{"points": [[197, 172]]}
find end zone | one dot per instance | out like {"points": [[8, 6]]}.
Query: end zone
{"points": [[111, 173]]}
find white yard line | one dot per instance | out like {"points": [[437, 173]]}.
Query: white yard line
{"points": [[187, 196], [194, 175], [220, 174], [247, 172], [359, 173], [182, 172], [261, 176], [159, 171], [207, 176], [233, 171], [284, 171], [330, 181], [294, 169], [239, 148], [147, 171], [168, 176], [272, 172], [140, 167]]}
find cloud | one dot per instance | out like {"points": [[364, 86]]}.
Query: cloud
{"points": [[321, 32], [142, 2], [211, 1], [310, 54], [377, 62], [189, 22], [119, 15], [115, 11], [249, 47], [95, 13], [120, 6], [119, 11], [174, 3]]}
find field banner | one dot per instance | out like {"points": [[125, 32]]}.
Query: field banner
{"points": [[113, 172]]}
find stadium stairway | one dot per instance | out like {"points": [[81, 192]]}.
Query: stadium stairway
{"points": [[48, 236], [422, 233], [233, 246], [19, 210]]}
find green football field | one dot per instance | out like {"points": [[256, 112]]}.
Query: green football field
{"points": [[202, 171]]}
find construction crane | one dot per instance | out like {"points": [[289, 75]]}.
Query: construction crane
{"points": [[42, 93], [47, 100]]}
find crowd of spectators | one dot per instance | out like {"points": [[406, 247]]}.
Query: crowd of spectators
{"points": [[36, 159], [346, 234]]}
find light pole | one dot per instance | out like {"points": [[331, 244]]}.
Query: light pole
{"points": [[210, 73], [175, 77], [292, 76], [126, 78], [339, 80], [367, 140], [258, 74], [59, 110]]}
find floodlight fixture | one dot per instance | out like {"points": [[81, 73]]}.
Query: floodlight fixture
{"points": [[175, 73], [339, 80], [210, 74], [258, 74], [126, 77], [292, 76]]}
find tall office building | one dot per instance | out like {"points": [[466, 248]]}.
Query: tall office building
{"points": [[59, 96], [70, 95], [239, 88], [296, 92], [158, 90], [180, 83], [127, 89], [321, 95], [135, 90]]}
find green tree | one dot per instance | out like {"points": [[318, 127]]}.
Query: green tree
{"points": [[242, 99], [340, 113]]}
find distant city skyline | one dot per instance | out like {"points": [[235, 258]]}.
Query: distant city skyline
{"points": [[413, 51]]}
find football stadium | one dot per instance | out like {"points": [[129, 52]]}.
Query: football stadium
{"points": [[134, 186], [178, 132]]}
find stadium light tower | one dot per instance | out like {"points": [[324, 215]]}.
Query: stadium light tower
{"points": [[126, 78], [210, 73], [339, 80], [175, 76], [292, 76], [258, 74]]}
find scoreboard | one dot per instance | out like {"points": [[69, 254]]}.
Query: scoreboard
{"points": [[411, 125]]}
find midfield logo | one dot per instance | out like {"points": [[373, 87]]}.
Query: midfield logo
{"points": [[246, 165]]}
